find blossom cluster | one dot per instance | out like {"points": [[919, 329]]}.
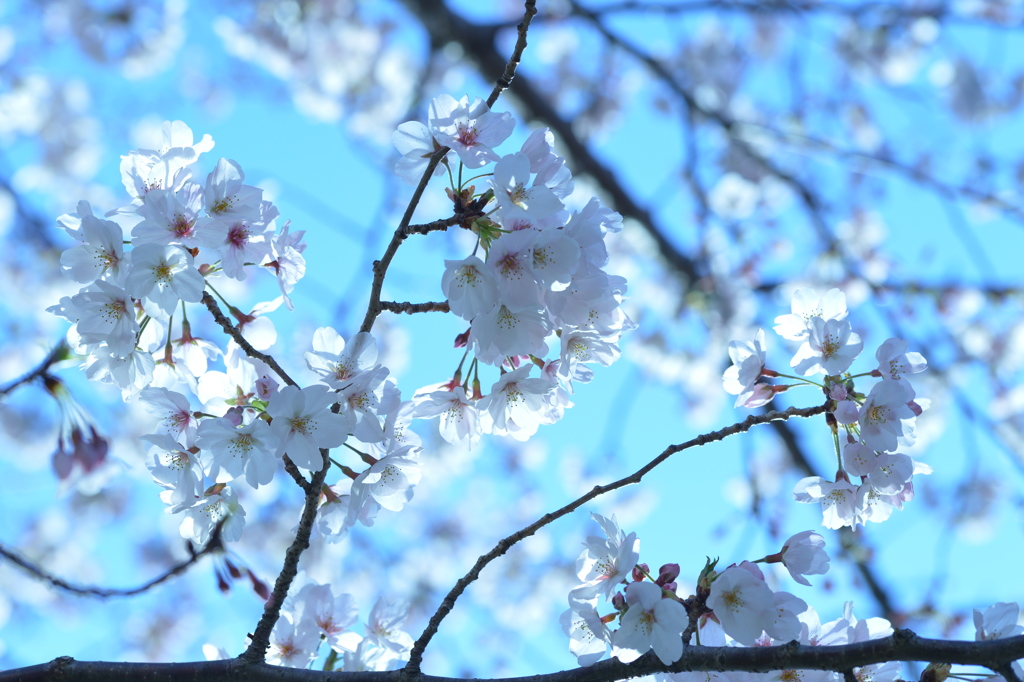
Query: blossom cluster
{"points": [[875, 424], [182, 234], [732, 607], [315, 615], [216, 429], [535, 274], [649, 613]]}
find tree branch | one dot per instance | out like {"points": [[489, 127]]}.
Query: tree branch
{"points": [[260, 639], [410, 308], [416, 655], [903, 645], [233, 332], [54, 356], [214, 545], [380, 267]]}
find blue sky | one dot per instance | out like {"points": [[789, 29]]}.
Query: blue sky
{"points": [[334, 187]]}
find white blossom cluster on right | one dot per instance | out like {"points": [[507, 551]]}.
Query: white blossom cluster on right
{"points": [[650, 615], [732, 607], [875, 424]]}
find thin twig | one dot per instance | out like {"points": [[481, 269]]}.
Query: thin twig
{"points": [[513, 62], [416, 655], [53, 357], [213, 545]]}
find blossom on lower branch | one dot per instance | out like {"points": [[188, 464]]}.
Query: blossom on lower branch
{"points": [[651, 622]]}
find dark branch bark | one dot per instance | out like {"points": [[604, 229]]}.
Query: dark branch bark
{"points": [[410, 308], [233, 332], [260, 639], [901, 646]]}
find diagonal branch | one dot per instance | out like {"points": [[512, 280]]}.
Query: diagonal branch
{"points": [[233, 332], [260, 639], [416, 655], [404, 229]]}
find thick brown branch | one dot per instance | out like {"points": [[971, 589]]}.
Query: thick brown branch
{"points": [[410, 308], [416, 655], [901, 646]]}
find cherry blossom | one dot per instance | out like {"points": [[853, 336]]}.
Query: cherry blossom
{"points": [[606, 561], [331, 615], [837, 499], [748, 359], [470, 286], [589, 637], [515, 402], [172, 217], [882, 414], [415, 143], [218, 505], [338, 364], [807, 306], [248, 449], [470, 129], [460, 416], [831, 347], [163, 275], [895, 362], [303, 423], [176, 416], [101, 255], [804, 554], [384, 623], [651, 622], [740, 599], [391, 479], [997, 622]]}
